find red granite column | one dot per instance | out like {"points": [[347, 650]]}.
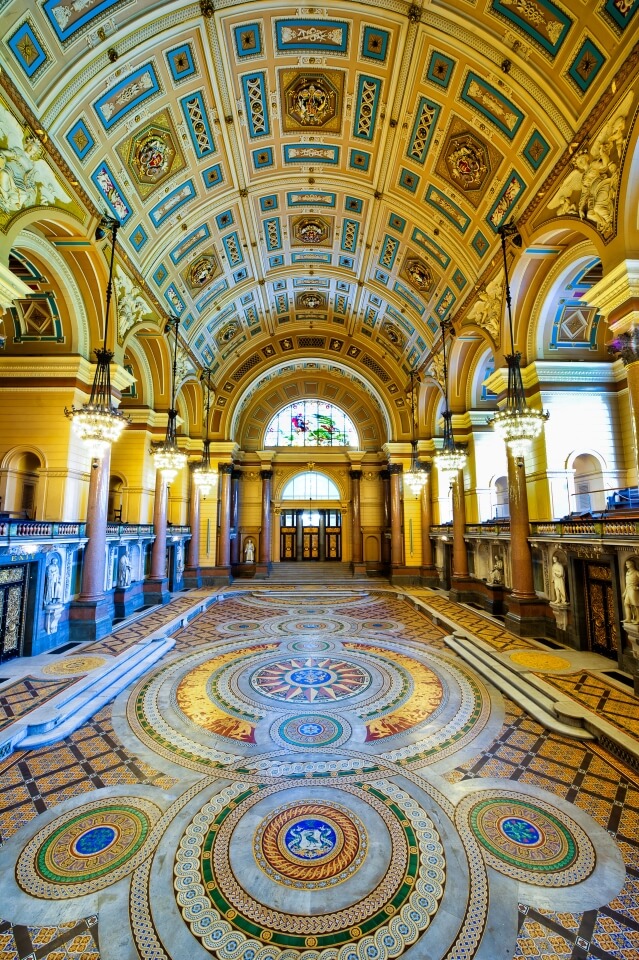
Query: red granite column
{"points": [[235, 516], [192, 576], [428, 571], [632, 375], [224, 544], [156, 587], [460, 554], [397, 552], [356, 533], [91, 615], [263, 566], [525, 610], [385, 481]]}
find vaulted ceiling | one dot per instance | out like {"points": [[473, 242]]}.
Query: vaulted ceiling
{"points": [[334, 173]]}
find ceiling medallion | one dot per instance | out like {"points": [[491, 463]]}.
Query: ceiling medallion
{"points": [[228, 332], [467, 162], [312, 100], [311, 231], [393, 334], [202, 271], [311, 300], [418, 273], [152, 154]]}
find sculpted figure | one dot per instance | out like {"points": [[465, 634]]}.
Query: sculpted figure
{"points": [[52, 581], [631, 593], [497, 573], [558, 580], [124, 571], [249, 552]]}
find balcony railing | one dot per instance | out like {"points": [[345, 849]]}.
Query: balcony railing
{"points": [[39, 530], [600, 529]]}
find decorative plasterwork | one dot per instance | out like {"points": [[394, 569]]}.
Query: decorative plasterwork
{"points": [[11, 287]]}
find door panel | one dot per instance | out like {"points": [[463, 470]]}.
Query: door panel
{"points": [[13, 601], [310, 543], [333, 543], [288, 543], [601, 625]]}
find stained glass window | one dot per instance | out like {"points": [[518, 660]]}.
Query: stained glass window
{"points": [[311, 423]]}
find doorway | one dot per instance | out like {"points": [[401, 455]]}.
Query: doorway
{"points": [[310, 535], [599, 607], [14, 581]]}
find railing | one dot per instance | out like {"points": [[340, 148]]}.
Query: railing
{"points": [[40, 529], [130, 529], [554, 529]]}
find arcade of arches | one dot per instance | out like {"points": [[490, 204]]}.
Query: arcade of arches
{"points": [[311, 714]]}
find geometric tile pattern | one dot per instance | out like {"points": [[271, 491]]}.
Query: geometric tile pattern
{"points": [[27, 695], [122, 639], [607, 701]]}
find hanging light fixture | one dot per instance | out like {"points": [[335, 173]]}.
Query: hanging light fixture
{"points": [[204, 477], [451, 458], [167, 456], [517, 423], [415, 478], [99, 423]]}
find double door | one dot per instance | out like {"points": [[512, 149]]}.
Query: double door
{"points": [[317, 540], [14, 581]]}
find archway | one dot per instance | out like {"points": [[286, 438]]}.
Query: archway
{"points": [[311, 518]]}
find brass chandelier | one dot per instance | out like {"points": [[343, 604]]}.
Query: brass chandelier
{"points": [[451, 458], [167, 456], [204, 477], [99, 423], [517, 424]]}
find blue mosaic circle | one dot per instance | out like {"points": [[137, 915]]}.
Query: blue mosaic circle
{"points": [[310, 729], [310, 645], [521, 831], [310, 839], [310, 677], [94, 840]]}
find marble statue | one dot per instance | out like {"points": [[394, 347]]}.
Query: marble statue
{"points": [[497, 573], [558, 580], [52, 581], [249, 552], [124, 571], [179, 562], [631, 592], [25, 177]]}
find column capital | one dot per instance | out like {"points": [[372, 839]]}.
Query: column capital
{"points": [[266, 474], [395, 468], [616, 295], [226, 468], [356, 475]]}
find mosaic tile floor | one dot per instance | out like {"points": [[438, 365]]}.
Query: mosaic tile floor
{"points": [[317, 777]]}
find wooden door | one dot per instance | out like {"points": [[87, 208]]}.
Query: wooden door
{"points": [[310, 543], [601, 625], [13, 602], [288, 536], [333, 545]]}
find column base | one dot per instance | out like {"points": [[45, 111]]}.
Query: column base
{"points": [[428, 576], [526, 616], [156, 590], [462, 589], [358, 569], [216, 576], [192, 577], [243, 571], [263, 569], [127, 600], [90, 619], [404, 576]]}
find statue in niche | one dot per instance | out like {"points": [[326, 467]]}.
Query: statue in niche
{"points": [[558, 572], [52, 581], [497, 573], [179, 562], [631, 592], [124, 571], [249, 551]]}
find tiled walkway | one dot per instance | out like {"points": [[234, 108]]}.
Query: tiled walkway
{"points": [[311, 677]]}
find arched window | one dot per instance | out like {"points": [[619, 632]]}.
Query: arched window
{"points": [[310, 486], [311, 423]]}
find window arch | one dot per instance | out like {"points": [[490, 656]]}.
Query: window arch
{"points": [[311, 423], [310, 486]]}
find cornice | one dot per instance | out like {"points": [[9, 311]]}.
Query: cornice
{"points": [[66, 368], [619, 286], [11, 287]]}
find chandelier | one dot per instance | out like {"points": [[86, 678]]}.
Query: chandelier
{"points": [[99, 423], [450, 458], [517, 424], [416, 477], [167, 456], [204, 477]]}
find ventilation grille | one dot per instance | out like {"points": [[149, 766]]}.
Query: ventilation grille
{"points": [[313, 343], [376, 368], [246, 366]]}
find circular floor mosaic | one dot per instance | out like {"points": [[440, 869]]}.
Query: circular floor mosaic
{"points": [[315, 842], [312, 730], [72, 665], [310, 645], [310, 845], [539, 661], [310, 680], [88, 849], [529, 840]]}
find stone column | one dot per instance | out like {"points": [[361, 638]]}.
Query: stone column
{"points": [[460, 581], [428, 572], [385, 482], [235, 516], [525, 610], [631, 359], [359, 567], [224, 543], [192, 576], [156, 587], [264, 562], [395, 471], [91, 615]]}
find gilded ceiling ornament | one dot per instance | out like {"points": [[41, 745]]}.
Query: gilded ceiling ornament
{"points": [[227, 333], [393, 334], [311, 300], [312, 100], [152, 154], [418, 273], [486, 311], [202, 270], [311, 230], [467, 162]]}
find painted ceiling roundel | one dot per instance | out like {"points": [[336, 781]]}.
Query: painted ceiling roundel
{"points": [[279, 170]]}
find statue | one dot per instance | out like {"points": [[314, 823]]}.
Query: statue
{"points": [[497, 573], [631, 593], [131, 305], [487, 310], [558, 580], [25, 177], [249, 551], [52, 581], [179, 562], [124, 571]]}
